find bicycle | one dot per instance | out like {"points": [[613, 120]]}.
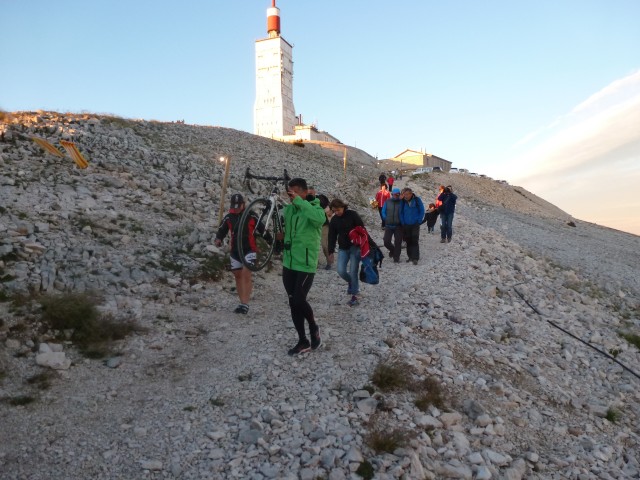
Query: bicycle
{"points": [[263, 222]]}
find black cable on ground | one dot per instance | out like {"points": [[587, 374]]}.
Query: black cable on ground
{"points": [[572, 335]]}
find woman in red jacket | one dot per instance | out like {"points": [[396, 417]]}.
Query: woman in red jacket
{"points": [[381, 197]]}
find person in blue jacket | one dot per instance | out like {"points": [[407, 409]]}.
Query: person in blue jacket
{"points": [[411, 215]]}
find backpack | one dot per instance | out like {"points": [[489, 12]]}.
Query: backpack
{"points": [[369, 264]]}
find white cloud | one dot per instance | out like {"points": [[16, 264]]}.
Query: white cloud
{"points": [[595, 147]]}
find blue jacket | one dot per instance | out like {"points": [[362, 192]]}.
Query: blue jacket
{"points": [[411, 212]]}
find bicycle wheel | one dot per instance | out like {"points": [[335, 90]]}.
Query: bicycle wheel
{"points": [[256, 233]]}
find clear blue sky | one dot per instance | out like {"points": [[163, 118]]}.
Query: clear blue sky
{"points": [[516, 90]]}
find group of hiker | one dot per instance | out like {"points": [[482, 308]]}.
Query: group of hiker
{"points": [[311, 223], [402, 213]]}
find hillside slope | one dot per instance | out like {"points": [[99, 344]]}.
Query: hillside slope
{"points": [[495, 390]]}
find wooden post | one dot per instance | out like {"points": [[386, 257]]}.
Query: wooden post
{"points": [[344, 161], [223, 193]]}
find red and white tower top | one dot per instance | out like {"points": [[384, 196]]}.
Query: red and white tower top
{"points": [[273, 20]]}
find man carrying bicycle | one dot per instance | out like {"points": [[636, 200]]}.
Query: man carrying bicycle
{"points": [[303, 220], [230, 223]]}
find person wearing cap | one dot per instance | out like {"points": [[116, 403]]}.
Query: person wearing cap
{"points": [[230, 224], [392, 226], [411, 215], [303, 220]]}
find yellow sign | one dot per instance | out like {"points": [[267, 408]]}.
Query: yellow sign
{"points": [[74, 153], [47, 146]]}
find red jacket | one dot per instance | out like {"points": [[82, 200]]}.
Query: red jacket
{"points": [[360, 237], [382, 196]]}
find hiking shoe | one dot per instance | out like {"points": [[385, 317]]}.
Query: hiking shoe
{"points": [[242, 308], [415, 262], [316, 341], [442, 240], [301, 347], [354, 301], [328, 266], [448, 240]]}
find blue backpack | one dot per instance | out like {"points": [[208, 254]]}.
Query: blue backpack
{"points": [[369, 264]]}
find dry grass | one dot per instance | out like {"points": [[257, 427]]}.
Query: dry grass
{"points": [[93, 333], [392, 375]]}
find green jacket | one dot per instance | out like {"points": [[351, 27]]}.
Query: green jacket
{"points": [[303, 222]]}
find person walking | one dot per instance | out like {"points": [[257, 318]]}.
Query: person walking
{"points": [[324, 238], [230, 224], [382, 179], [431, 217], [344, 220], [447, 209], [381, 197], [303, 219], [390, 181], [411, 215], [392, 226]]}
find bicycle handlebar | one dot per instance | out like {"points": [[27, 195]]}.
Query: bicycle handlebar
{"points": [[285, 178]]}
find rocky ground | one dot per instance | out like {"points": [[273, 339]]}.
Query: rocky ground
{"points": [[204, 393]]}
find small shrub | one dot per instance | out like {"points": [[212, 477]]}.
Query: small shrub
{"points": [[92, 334], [69, 311], [365, 470], [41, 380], [381, 438], [429, 393], [20, 400], [612, 415], [632, 338], [389, 376], [212, 268]]}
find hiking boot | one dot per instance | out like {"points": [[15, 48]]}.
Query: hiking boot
{"points": [[316, 341], [328, 266], [354, 301], [301, 347], [242, 308], [442, 240], [448, 240], [415, 262]]}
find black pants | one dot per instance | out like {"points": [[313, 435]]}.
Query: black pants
{"points": [[297, 284], [394, 248], [380, 213], [412, 237]]}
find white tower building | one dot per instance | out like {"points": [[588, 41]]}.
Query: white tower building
{"points": [[274, 115]]}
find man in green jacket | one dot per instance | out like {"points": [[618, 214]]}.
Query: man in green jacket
{"points": [[303, 220]]}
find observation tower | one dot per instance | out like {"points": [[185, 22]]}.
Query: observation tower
{"points": [[274, 114]]}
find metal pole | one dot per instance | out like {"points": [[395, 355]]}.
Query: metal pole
{"points": [[223, 193]]}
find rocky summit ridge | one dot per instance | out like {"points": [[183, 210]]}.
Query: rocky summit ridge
{"points": [[200, 392]]}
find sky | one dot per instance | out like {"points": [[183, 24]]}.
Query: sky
{"points": [[544, 94]]}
